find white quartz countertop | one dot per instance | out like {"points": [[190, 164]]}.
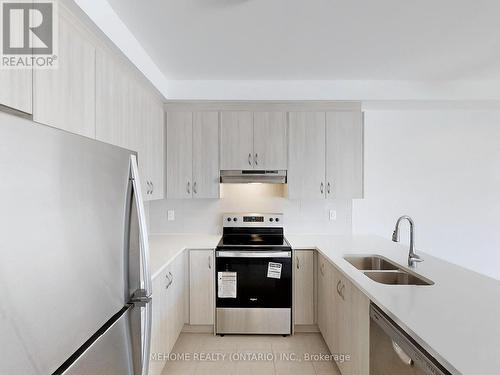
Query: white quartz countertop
{"points": [[457, 319]]}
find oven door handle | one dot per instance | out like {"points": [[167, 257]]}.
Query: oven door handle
{"points": [[253, 254]]}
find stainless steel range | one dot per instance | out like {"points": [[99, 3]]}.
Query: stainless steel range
{"points": [[253, 276]]}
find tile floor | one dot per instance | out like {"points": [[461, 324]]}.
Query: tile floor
{"points": [[252, 355]]}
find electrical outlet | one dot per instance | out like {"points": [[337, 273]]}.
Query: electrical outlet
{"points": [[333, 215], [170, 215]]}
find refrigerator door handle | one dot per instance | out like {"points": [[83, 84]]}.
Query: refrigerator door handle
{"points": [[143, 232], [142, 297]]}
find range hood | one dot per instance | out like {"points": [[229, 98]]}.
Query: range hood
{"points": [[253, 176]]}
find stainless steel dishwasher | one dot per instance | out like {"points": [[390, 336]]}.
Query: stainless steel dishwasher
{"points": [[394, 352]]}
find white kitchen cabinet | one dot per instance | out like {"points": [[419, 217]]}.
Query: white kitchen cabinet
{"points": [[113, 93], [326, 311], [236, 145], [16, 89], [168, 312], [16, 86], [192, 155], [201, 287], [270, 140], [344, 155], [253, 140], [179, 154], [304, 287], [306, 155], [351, 325], [206, 155], [65, 97], [156, 148]]}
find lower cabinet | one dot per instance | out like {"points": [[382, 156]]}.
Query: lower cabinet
{"points": [[169, 291], [303, 302], [201, 287], [343, 319]]}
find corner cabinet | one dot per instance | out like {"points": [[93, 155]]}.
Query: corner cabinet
{"points": [[253, 140], [129, 116], [304, 287], [325, 155], [192, 155], [201, 287]]}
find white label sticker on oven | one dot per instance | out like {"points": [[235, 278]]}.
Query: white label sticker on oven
{"points": [[274, 270], [226, 284]]}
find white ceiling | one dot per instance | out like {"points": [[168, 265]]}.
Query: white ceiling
{"points": [[318, 39]]}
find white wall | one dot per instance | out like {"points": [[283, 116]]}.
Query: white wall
{"points": [[442, 167], [205, 216]]}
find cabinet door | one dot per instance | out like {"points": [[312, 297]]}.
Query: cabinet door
{"points": [[304, 287], [324, 299], [344, 150], [357, 330], [179, 155], [16, 84], [65, 97], [270, 142], [201, 287], [113, 92], [206, 155], [306, 155], [156, 149], [236, 146], [158, 339]]}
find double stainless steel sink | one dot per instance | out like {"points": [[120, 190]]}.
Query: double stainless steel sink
{"points": [[385, 271]]}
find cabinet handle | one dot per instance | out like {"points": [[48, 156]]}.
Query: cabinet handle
{"points": [[328, 187], [321, 269], [298, 262], [195, 190], [250, 159], [152, 187], [342, 288], [338, 287], [321, 188], [148, 188], [189, 187], [256, 159], [170, 280], [210, 262]]}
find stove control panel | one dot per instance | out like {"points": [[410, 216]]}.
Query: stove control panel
{"points": [[252, 220]]}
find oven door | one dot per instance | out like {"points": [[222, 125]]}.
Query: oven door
{"points": [[263, 279]]}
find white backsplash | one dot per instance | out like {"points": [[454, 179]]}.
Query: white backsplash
{"points": [[205, 215]]}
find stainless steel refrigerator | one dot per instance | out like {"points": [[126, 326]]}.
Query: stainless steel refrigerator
{"points": [[74, 262]]}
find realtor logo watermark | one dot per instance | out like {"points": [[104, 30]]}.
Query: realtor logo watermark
{"points": [[29, 34]]}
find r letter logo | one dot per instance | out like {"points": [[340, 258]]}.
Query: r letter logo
{"points": [[29, 34]]}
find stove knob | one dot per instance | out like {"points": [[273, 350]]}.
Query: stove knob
{"points": [[228, 219], [277, 219], [271, 220], [235, 219]]}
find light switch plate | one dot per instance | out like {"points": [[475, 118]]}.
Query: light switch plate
{"points": [[170, 215], [333, 215]]}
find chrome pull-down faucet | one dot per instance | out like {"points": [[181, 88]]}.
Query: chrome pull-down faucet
{"points": [[412, 257]]}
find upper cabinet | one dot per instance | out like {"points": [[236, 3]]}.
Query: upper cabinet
{"points": [[130, 116], [270, 141], [16, 84], [192, 155], [325, 155], [344, 154], [65, 97], [306, 153], [253, 140], [236, 140], [16, 89]]}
